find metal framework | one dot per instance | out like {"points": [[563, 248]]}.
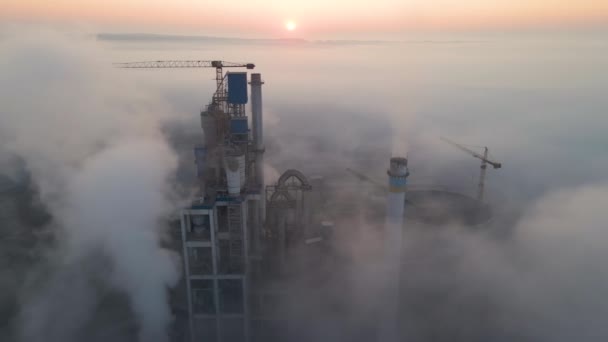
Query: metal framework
{"points": [[291, 174], [183, 64], [215, 230], [484, 165], [289, 194], [220, 94]]}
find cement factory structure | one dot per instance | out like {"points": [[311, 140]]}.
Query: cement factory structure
{"points": [[236, 232], [254, 252], [238, 236], [226, 245]]}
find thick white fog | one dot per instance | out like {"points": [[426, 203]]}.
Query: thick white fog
{"points": [[92, 143], [96, 141]]}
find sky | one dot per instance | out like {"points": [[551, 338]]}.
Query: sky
{"points": [[314, 18]]}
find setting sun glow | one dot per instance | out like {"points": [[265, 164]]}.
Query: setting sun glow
{"points": [[324, 19], [290, 25]]}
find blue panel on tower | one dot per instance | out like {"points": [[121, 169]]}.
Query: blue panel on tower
{"points": [[238, 125], [237, 87]]}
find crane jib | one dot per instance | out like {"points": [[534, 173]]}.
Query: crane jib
{"points": [[183, 64]]}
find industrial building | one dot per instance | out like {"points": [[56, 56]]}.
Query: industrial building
{"points": [[236, 233], [249, 248], [220, 230]]}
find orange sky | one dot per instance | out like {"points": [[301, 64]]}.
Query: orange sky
{"points": [[314, 17]]}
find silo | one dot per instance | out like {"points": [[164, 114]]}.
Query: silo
{"points": [[233, 175], [234, 163]]}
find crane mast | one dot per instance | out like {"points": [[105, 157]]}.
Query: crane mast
{"points": [[482, 175], [484, 165]]}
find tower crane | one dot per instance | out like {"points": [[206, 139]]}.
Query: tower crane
{"points": [[187, 64], [484, 165]]}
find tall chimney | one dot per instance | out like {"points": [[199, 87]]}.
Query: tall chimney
{"points": [[258, 138], [397, 180]]}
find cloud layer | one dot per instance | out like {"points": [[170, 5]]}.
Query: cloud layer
{"points": [[93, 145]]}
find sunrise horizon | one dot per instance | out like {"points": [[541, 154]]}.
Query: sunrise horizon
{"points": [[312, 19]]}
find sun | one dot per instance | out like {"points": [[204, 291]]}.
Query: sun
{"points": [[290, 25]]}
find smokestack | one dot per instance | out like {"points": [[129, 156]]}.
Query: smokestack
{"points": [[397, 180], [258, 137]]}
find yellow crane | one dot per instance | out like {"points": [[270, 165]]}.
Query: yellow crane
{"points": [[484, 165]]}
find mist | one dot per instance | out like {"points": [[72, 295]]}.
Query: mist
{"points": [[96, 143], [545, 283], [534, 267], [93, 146]]}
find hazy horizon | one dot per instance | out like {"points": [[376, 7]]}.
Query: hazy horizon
{"points": [[315, 19]]}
